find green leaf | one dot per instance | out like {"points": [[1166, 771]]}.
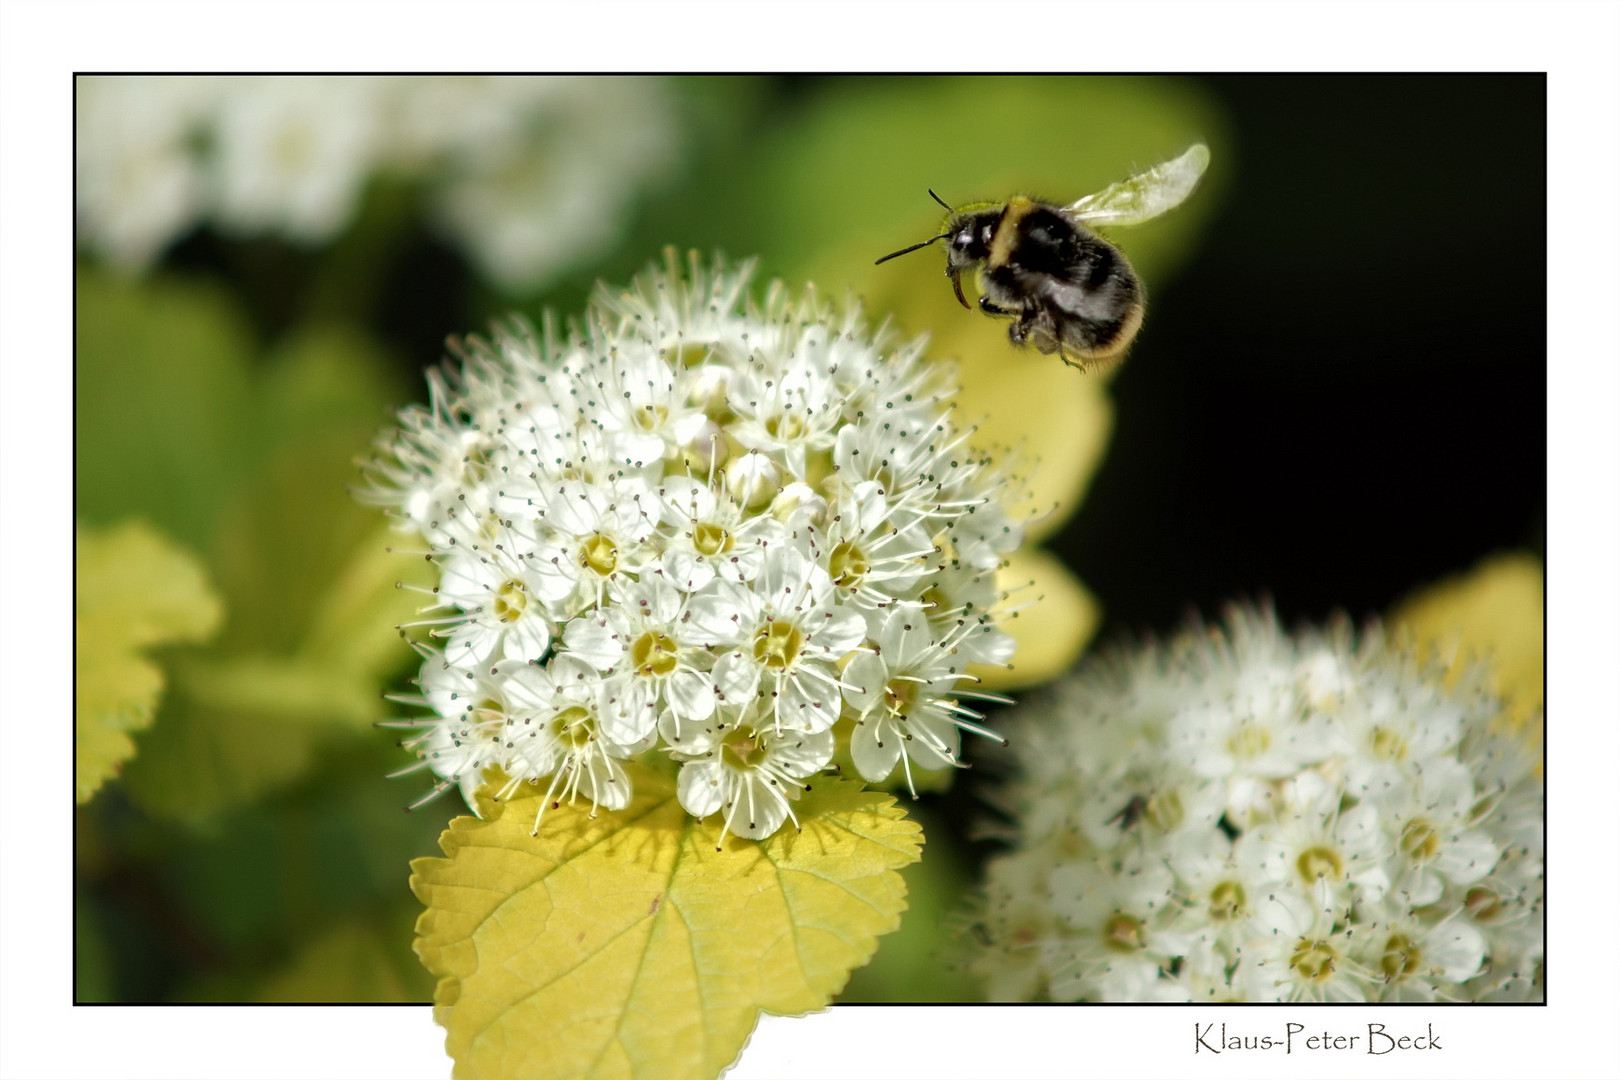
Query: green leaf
{"points": [[355, 961], [163, 402], [354, 627], [204, 758], [311, 586], [134, 589], [93, 971], [247, 721], [627, 945], [922, 961]]}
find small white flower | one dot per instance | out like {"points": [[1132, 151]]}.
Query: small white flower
{"points": [[1337, 825], [501, 615], [292, 152], [904, 696], [1416, 960], [662, 676], [751, 775], [138, 183], [1437, 842], [712, 536], [1305, 960], [1116, 947], [591, 534], [647, 543], [558, 728], [789, 633]]}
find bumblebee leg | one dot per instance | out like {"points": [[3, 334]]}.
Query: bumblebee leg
{"points": [[1027, 320], [994, 309]]}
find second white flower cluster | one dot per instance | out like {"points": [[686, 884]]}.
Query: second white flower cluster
{"points": [[702, 527], [1249, 816]]}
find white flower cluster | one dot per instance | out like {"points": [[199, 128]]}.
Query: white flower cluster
{"points": [[701, 528], [528, 173], [1245, 816]]}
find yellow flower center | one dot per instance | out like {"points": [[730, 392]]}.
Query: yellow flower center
{"points": [[710, 539], [847, 565], [777, 645], [1419, 841], [1314, 960], [653, 654], [511, 599], [1401, 956], [1165, 810], [574, 726], [899, 696], [786, 426], [1227, 901], [599, 554], [1482, 903], [689, 353], [1249, 741], [741, 749], [1122, 933], [651, 417], [1320, 863], [1388, 745]]}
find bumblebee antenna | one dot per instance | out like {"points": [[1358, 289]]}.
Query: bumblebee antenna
{"points": [[913, 247], [925, 243]]}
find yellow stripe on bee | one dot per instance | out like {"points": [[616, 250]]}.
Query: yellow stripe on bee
{"points": [[1001, 244]]}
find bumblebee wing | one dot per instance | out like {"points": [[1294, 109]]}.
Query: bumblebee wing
{"points": [[1146, 195]]}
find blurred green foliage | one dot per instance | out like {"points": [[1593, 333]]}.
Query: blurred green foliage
{"points": [[252, 849]]}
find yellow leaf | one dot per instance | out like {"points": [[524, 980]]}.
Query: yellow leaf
{"points": [[1056, 422], [628, 946], [1050, 632], [1493, 613], [134, 589]]}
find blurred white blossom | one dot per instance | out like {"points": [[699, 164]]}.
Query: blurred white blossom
{"points": [[1244, 815], [738, 535], [527, 174]]}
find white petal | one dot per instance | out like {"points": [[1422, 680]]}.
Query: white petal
{"points": [[635, 446], [1456, 950], [929, 731], [1467, 857], [701, 787], [761, 809], [686, 570], [804, 755], [691, 695], [632, 711], [595, 639], [527, 639], [471, 644], [874, 761], [837, 631], [864, 680], [810, 701], [736, 678], [722, 614], [607, 784]]}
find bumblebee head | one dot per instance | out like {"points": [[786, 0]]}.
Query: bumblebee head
{"points": [[967, 237]]}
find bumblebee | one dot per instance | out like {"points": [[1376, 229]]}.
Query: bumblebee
{"points": [[1066, 289]]}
